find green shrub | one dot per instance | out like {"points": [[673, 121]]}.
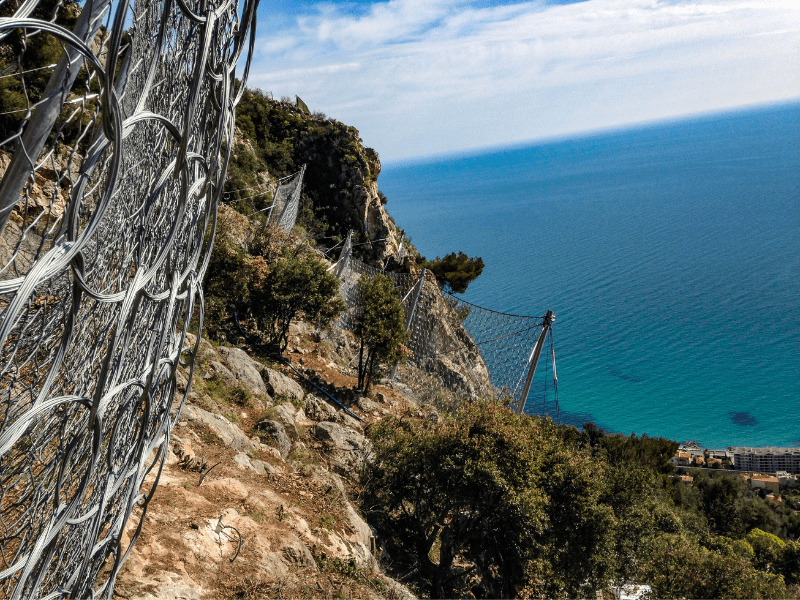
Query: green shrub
{"points": [[380, 327], [488, 500], [455, 271], [294, 286]]}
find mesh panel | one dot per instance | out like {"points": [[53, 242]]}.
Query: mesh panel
{"points": [[455, 349], [287, 201], [113, 121]]}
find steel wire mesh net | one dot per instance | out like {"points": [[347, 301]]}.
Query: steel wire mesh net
{"points": [[286, 202], [455, 349], [115, 121]]}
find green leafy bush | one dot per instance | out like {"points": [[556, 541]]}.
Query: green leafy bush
{"points": [[488, 497], [294, 286], [455, 271], [380, 327], [268, 278]]}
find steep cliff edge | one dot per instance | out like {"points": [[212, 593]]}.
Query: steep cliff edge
{"points": [[340, 190]]}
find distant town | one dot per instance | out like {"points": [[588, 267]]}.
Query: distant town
{"points": [[770, 469]]}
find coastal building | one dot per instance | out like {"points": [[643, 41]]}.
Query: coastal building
{"points": [[767, 459], [681, 458], [766, 482], [721, 454], [687, 479], [786, 480]]}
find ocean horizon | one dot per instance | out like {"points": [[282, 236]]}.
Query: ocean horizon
{"points": [[669, 252]]}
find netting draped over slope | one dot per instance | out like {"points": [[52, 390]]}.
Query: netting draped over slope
{"points": [[454, 347], [286, 202], [112, 167]]}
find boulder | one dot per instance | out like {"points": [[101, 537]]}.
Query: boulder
{"points": [[301, 420], [297, 553], [278, 384], [345, 448], [291, 416], [325, 477], [396, 589], [274, 431], [231, 435], [262, 467], [259, 466], [318, 409], [346, 420], [362, 539], [366, 404], [245, 370], [299, 328], [217, 369], [181, 382], [190, 340], [272, 451], [285, 413]]}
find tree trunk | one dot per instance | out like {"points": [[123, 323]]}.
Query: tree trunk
{"points": [[361, 364], [370, 367]]}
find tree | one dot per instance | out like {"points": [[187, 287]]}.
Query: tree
{"points": [[455, 271], [676, 566], [296, 285], [768, 549], [487, 502], [268, 278], [380, 327], [790, 563]]}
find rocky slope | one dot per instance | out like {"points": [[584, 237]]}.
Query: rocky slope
{"points": [[255, 498]]}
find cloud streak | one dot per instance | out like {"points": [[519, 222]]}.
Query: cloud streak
{"points": [[418, 77]]}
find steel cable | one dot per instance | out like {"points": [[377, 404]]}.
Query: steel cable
{"points": [[113, 164]]}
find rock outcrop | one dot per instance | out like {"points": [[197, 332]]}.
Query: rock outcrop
{"points": [[253, 500]]}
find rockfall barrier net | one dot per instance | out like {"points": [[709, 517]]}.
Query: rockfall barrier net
{"points": [[116, 124], [286, 201], [455, 348]]}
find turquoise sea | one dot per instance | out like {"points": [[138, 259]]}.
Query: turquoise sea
{"points": [[669, 253]]}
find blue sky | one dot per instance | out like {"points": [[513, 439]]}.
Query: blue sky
{"points": [[422, 77]]}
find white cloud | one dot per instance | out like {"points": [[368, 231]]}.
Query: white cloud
{"points": [[419, 76]]}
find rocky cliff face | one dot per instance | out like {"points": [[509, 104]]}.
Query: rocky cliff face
{"points": [[340, 190]]}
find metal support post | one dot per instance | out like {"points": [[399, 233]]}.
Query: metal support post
{"points": [[534, 359]]}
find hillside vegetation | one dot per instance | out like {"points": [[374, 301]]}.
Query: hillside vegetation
{"points": [[474, 503], [485, 503]]}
